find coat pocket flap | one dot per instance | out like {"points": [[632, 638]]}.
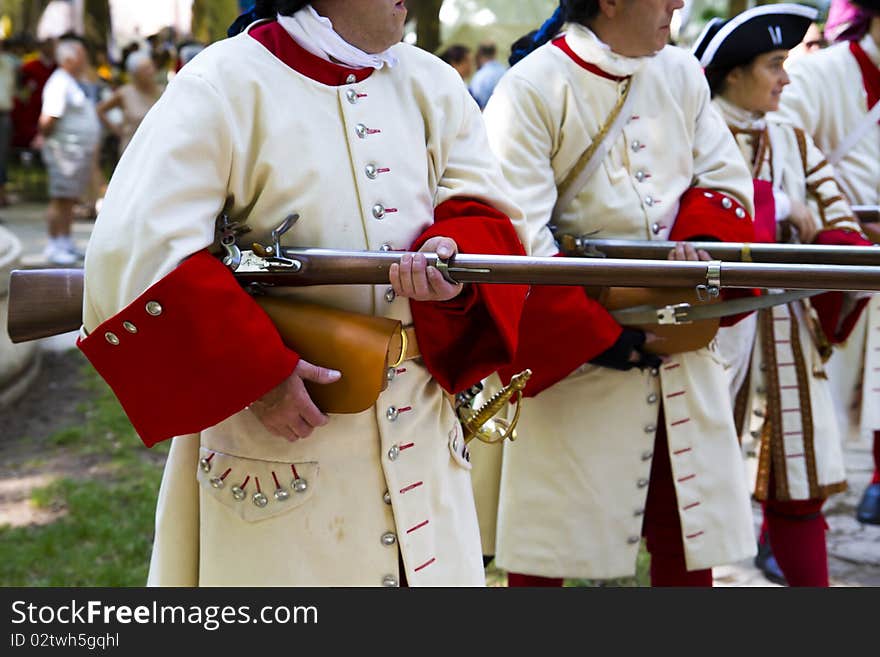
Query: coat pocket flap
{"points": [[254, 488]]}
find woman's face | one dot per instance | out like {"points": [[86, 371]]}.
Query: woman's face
{"points": [[758, 86]]}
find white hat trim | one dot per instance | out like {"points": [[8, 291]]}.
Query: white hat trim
{"points": [[736, 21]]}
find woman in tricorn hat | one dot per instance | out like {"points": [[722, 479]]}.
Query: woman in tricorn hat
{"points": [[791, 438]]}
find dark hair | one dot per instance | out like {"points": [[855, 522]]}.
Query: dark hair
{"points": [[268, 8], [580, 11], [571, 11], [487, 50], [716, 76], [265, 9], [455, 54]]}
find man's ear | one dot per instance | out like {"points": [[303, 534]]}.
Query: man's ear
{"points": [[609, 8]]}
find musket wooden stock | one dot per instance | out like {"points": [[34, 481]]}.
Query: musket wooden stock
{"points": [[48, 302], [44, 302]]}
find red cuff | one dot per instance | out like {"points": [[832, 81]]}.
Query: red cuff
{"points": [[189, 352], [561, 329], [829, 306], [705, 213], [464, 340], [708, 214]]}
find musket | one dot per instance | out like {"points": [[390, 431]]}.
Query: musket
{"points": [[48, 302], [794, 254], [868, 214]]}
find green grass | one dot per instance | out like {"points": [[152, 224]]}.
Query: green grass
{"points": [[105, 533], [104, 536]]}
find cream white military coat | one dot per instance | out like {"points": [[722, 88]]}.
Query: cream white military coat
{"points": [[827, 99], [574, 484], [364, 164], [787, 412]]}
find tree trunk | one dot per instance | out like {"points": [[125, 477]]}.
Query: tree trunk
{"points": [[211, 19], [737, 7], [31, 10], [427, 16], [97, 23]]}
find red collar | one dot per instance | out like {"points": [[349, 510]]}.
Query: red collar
{"points": [[277, 41], [562, 44], [870, 73]]}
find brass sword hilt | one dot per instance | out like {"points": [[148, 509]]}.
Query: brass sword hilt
{"points": [[474, 425]]}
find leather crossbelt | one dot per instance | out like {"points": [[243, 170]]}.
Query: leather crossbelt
{"points": [[685, 313]]}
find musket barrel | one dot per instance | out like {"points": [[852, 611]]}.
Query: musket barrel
{"points": [[795, 254], [806, 277], [328, 267]]}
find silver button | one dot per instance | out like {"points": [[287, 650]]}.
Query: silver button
{"points": [[390, 373], [111, 338], [759, 412], [641, 483], [385, 247], [350, 79], [393, 453], [128, 326], [652, 398], [392, 413], [352, 96], [238, 493], [388, 539], [751, 453], [389, 580], [205, 465], [360, 130], [761, 390], [655, 371], [650, 428], [638, 512], [299, 485], [647, 456], [649, 201], [640, 175], [656, 228], [371, 171], [708, 194], [154, 308], [740, 213], [632, 540], [390, 295], [378, 211], [755, 434], [386, 497], [636, 145], [281, 494], [726, 203], [260, 500], [217, 482]]}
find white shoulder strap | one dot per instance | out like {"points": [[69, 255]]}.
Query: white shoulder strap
{"points": [[855, 135], [592, 158]]}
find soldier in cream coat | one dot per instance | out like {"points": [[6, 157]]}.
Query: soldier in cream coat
{"points": [[834, 112], [785, 408], [380, 149], [604, 447]]}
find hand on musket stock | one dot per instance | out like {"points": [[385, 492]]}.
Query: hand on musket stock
{"points": [[287, 410]]}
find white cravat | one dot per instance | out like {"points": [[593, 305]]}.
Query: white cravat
{"points": [[315, 33]]}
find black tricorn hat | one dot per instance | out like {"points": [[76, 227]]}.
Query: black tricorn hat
{"points": [[725, 44]]}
